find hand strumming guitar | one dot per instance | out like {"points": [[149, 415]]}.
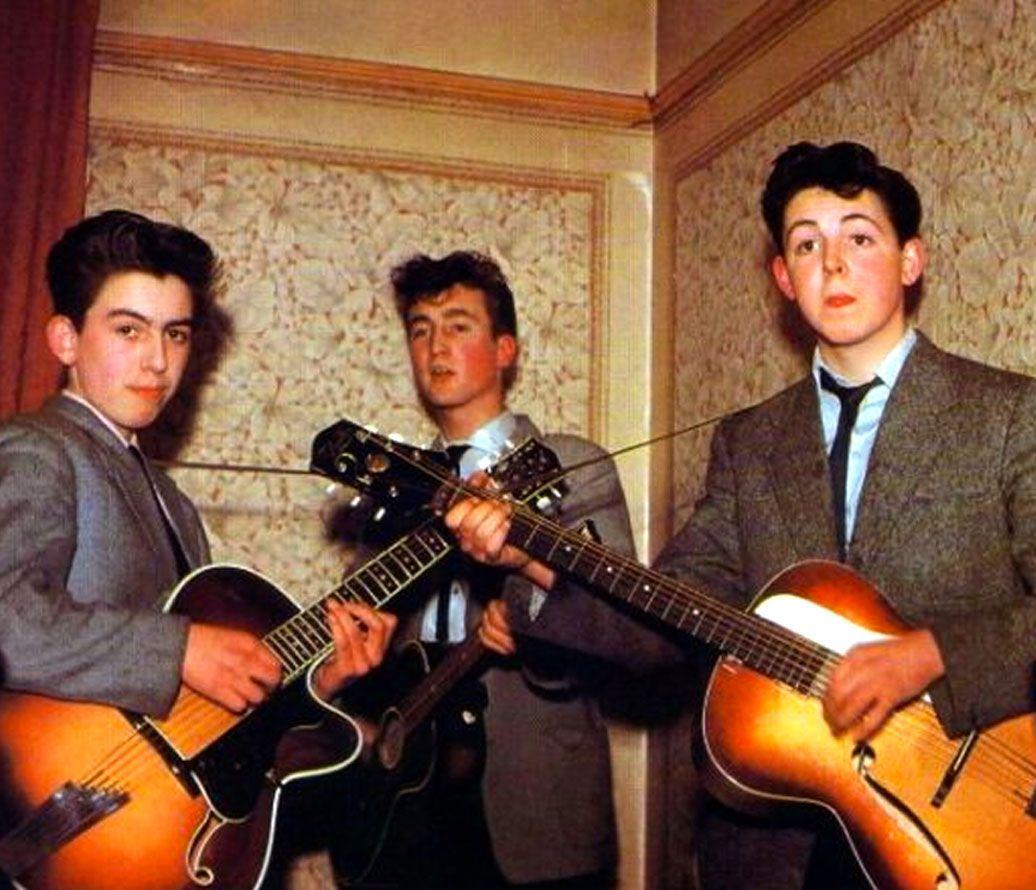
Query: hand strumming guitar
{"points": [[873, 679]]}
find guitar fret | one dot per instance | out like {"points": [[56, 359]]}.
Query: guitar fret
{"points": [[315, 628], [408, 560], [294, 657], [394, 568], [273, 643]]}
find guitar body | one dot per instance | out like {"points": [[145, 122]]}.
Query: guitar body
{"points": [[397, 760], [768, 744], [194, 796]]}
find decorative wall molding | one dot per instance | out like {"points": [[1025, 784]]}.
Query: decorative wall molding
{"points": [[754, 116], [303, 74]]}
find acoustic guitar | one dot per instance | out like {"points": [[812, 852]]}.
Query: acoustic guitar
{"points": [[95, 797], [920, 810]]}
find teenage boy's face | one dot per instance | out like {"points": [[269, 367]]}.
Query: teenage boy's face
{"points": [[456, 359], [843, 265], [129, 356]]}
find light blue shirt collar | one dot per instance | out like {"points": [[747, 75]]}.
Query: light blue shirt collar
{"points": [[486, 445], [889, 368]]}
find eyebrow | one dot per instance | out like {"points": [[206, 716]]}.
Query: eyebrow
{"points": [[849, 217], [451, 312], [172, 323]]}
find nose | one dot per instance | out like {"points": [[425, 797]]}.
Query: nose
{"points": [[437, 341], [155, 357], [833, 257]]}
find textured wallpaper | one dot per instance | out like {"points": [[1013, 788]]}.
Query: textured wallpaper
{"points": [[308, 243], [951, 101]]}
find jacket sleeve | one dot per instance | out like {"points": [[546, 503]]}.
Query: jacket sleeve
{"points": [[706, 552], [989, 653], [49, 642], [573, 615]]}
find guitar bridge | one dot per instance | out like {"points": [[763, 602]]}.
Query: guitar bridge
{"points": [[68, 812]]}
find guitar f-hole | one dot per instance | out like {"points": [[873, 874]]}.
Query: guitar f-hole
{"points": [[863, 760]]}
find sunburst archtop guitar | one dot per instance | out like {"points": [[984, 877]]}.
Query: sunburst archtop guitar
{"points": [[921, 811]]}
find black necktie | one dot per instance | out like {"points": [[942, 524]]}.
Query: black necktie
{"points": [[454, 453], [838, 460], [183, 567]]}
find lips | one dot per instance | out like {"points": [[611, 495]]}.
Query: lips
{"points": [[838, 301], [149, 393]]}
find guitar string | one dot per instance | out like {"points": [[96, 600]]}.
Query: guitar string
{"points": [[690, 602], [1000, 762], [292, 644]]}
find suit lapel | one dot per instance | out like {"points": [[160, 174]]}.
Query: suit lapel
{"points": [[798, 473], [125, 477], [909, 439]]}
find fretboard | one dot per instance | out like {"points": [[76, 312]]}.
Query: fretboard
{"points": [[305, 637], [760, 644], [424, 697]]}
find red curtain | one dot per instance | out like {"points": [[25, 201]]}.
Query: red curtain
{"points": [[45, 55]]}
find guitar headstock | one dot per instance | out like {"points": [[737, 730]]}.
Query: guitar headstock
{"points": [[395, 475], [405, 479], [530, 474]]}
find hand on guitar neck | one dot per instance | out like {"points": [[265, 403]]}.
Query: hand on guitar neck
{"points": [[481, 528], [869, 683], [234, 669]]}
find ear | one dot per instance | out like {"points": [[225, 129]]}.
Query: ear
{"points": [[63, 339], [915, 258], [779, 270], [506, 351]]}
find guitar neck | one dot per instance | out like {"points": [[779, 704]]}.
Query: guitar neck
{"points": [[305, 637], [427, 695], [760, 644]]}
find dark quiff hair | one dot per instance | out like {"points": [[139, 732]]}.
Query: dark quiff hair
{"points": [[421, 277], [845, 168], [115, 241]]}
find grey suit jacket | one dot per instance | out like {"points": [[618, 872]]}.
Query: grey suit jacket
{"points": [[85, 563], [547, 781], [946, 526]]}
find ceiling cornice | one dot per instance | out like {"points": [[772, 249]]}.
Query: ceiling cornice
{"points": [[303, 74]]}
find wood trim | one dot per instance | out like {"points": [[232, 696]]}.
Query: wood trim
{"points": [[302, 74], [733, 52], [782, 99]]}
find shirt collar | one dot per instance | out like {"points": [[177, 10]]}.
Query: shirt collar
{"points": [[888, 370], [75, 397], [486, 444]]}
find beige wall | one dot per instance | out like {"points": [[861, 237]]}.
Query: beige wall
{"points": [[593, 44]]}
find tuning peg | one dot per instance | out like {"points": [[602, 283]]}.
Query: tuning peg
{"points": [[356, 500], [379, 514], [396, 437]]}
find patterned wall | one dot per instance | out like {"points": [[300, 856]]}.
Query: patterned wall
{"points": [[308, 237], [950, 100]]}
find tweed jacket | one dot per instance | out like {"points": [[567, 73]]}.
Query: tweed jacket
{"points": [[547, 780], [946, 526], [85, 562]]}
